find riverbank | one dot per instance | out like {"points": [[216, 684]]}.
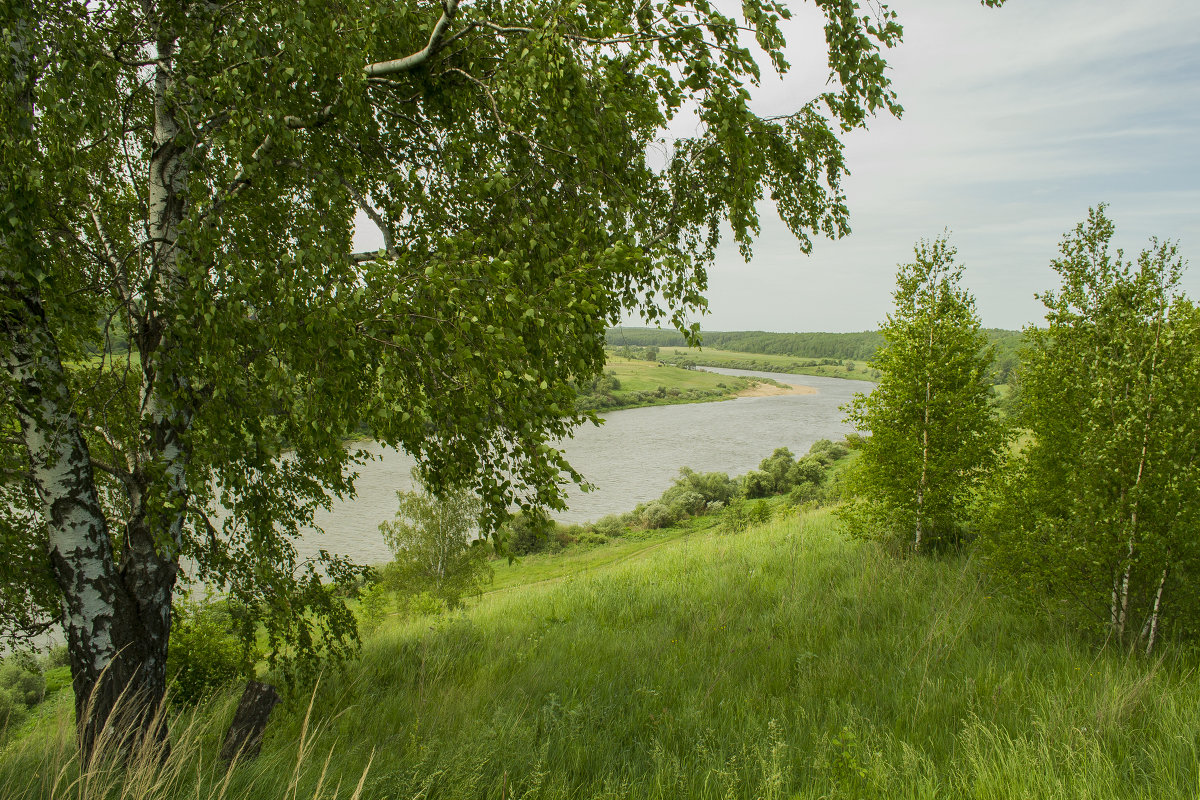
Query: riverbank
{"points": [[774, 389], [633, 383], [728, 359]]}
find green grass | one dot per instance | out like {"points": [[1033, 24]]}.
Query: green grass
{"points": [[783, 662], [729, 359], [651, 383], [644, 376], [579, 559]]}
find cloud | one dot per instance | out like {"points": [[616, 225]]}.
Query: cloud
{"points": [[1016, 121]]}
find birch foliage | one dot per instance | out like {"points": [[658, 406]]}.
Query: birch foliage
{"points": [[933, 431], [1099, 509]]}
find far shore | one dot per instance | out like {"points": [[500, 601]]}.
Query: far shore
{"points": [[772, 390]]}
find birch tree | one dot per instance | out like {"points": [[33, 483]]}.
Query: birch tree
{"points": [[181, 303], [434, 541], [933, 431], [1098, 509]]}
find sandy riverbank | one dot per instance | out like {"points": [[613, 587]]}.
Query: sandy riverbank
{"points": [[768, 390]]}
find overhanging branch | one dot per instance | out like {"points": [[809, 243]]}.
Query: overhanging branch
{"points": [[410, 62]]}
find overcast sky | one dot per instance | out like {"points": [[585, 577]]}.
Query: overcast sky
{"points": [[1016, 121]]}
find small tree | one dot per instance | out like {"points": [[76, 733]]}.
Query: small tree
{"points": [[434, 540], [933, 432]]}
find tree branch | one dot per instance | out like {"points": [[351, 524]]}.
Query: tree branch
{"points": [[115, 264], [116, 472], [372, 212], [418, 58]]}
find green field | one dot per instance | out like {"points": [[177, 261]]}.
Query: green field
{"points": [[728, 359], [641, 376], [786, 661], [651, 383]]}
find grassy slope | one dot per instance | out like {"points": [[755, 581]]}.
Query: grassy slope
{"points": [[708, 357], [782, 662], [678, 385], [643, 376]]}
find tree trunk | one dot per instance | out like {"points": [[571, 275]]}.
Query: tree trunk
{"points": [[116, 606], [924, 448], [98, 614], [243, 740], [106, 640], [1121, 610], [1154, 614]]}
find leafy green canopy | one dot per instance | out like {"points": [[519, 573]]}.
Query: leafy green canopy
{"points": [[933, 431], [434, 541], [1099, 509], [182, 201]]}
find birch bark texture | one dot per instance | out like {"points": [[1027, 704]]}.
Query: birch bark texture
{"points": [[182, 304], [931, 424]]}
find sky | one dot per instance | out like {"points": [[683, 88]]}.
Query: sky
{"points": [[1016, 121]]}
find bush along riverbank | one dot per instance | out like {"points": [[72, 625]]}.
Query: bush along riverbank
{"points": [[746, 648]]}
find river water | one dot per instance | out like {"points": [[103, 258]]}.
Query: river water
{"points": [[631, 458]]}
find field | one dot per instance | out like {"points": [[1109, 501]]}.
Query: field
{"points": [[651, 383], [786, 661], [707, 357], [645, 376]]}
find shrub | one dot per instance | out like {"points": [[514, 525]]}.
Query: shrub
{"points": [[610, 526], [758, 483], [374, 601], [805, 493], [659, 515], [58, 657], [525, 534], [21, 678], [204, 654], [736, 520], [12, 711], [832, 451], [712, 486], [778, 465], [758, 512], [808, 470], [685, 500]]}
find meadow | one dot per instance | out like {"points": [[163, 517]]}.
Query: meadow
{"points": [[825, 367], [635, 383], [783, 661]]}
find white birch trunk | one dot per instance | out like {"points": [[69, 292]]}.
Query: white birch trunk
{"points": [[1154, 614]]}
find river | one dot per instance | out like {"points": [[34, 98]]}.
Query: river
{"points": [[631, 458]]}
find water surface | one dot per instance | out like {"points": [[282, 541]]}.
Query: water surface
{"points": [[631, 458]]}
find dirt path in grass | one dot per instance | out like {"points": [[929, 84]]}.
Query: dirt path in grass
{"points": [[589, 567]]}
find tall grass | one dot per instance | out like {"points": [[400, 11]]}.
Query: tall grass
{"points": [[782, 662], [46, 764]]}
